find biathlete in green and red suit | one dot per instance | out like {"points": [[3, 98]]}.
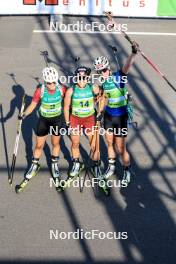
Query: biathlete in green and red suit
{"points": [[50, 95], [79, 111], [116, 114]]}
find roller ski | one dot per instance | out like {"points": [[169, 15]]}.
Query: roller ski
{"points": [[102, 182], [76, 169], [33, 171]]}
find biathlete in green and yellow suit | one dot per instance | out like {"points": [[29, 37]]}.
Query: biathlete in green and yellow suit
{"points": [[116, 113], [49, 95], [79, 111]]}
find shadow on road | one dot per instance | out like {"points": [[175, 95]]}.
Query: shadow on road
{"points": [[150, 225], [28, 128]]}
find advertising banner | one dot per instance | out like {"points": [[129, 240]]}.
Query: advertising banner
{"points": [[166, 8], [142, 8]]}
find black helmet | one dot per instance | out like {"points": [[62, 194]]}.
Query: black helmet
{"points": [[84, 69]]}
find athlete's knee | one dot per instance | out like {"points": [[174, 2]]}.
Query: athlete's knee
{"points": [[55, 144], [120, 149], [109, 143], [39, 146], [75, 145]]}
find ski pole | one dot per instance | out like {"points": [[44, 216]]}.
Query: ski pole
{"points": [[13, 77], [45, 56], [76, 60], [16, 142], [114, 49], [94, 140], [5, 143], [97, 148], [110, 18], [95, 144], [92, 151]]}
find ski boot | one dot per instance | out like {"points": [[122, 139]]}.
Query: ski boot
{"points": [[55, 170], [77, 167], [35, 166], [97, 173], [127, 175], [96, 170], [111, 169]]}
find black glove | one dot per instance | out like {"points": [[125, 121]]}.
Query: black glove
{"points": [[135, 47], [67, 124], [130, 98], [21, 116], [99, 117]]}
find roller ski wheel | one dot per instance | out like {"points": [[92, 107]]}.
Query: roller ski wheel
{"points": [[19, 188], [105, 189]]}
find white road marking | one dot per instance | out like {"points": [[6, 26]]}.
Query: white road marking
{"points": [[105, 32]]}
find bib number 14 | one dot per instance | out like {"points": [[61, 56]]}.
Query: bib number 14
{"points": [[84, 104]]}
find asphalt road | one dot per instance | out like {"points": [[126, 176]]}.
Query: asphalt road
{"points": [[146, 210]]}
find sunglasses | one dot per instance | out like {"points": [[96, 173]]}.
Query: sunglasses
{"points": [[83, 78], [104, 70], [48, 83]]}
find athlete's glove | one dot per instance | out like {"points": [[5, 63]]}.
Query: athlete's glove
{"points": [[67, 124], [111, 25], [99, 117], [21, 116], [135, 47]]}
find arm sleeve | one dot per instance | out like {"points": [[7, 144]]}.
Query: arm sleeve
{"points": [[37, 96]]}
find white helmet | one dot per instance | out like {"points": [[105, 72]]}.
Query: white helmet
{"points": [[101, 63], [50, 75]]}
